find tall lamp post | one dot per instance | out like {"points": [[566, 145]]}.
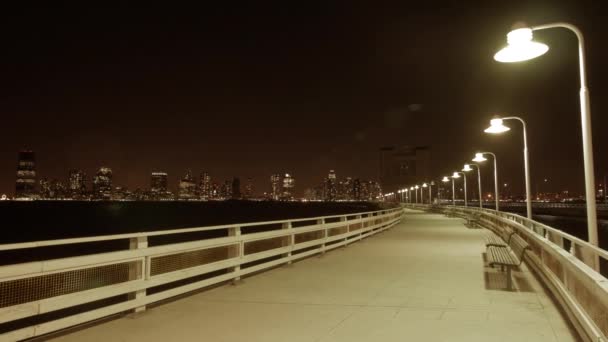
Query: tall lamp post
{"points": [[497, 127], [480, 158], [520, 48], [411, 189], [445, 180], [467, 168], [416, 188]]}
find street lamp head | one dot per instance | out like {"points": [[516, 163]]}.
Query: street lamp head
{"points": [[432, 183], [520, 47], [412, 188], [424, 185], [467, 168], [496, 127], [479, 158], [456, 175], [445, 179], [416, 187]]}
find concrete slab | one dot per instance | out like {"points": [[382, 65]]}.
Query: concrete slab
{"points": [[425, 279]]}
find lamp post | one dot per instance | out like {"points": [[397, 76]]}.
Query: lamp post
{"points": [[416, 188], [457, 175], [520, 48], [480, 158], [497, 127], [431, 183], [411, 189], [467, 168], [424, 185], [445, 180]]}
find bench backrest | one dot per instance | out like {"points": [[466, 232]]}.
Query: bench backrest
{"points": [[518, 246]]}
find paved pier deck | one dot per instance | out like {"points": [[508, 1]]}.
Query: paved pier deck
{"points": [[424, 280]]}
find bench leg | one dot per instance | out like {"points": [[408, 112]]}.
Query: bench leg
{"points": [[509, 282]]}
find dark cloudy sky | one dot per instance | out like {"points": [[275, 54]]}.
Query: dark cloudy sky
{"points": [[298, 87]]}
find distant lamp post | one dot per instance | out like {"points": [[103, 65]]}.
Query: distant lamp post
{"points": [[424, 185], [457, 175], [431, 183], [496, 127], [467, 168], [416, 187], [411, 189], [520, 48], [445, 180], [480, 158]]}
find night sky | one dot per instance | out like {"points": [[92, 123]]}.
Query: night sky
{"points": [[251, 90]]}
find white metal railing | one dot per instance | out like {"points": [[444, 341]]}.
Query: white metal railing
{"points": [[572, 268], [127, 280]]}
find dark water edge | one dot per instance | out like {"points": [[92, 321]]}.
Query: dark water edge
{"points": [[576, 226], [47, 220]]}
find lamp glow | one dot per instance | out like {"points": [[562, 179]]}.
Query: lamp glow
{"points": [[496, 126], [456, 175], [417, 187], [424, 185], [445, 179], [520, 47], [479, 158], [467, 168]]}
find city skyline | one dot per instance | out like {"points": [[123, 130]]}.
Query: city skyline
{"points": [[177, 89]]}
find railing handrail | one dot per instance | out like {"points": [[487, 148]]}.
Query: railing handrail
{"points": [[597, 250], [98, 238]]}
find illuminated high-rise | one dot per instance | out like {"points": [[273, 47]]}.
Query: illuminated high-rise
{"points": [[102, 183], [159, 183], [248, 188], [26, 175], [77, 183], [187, 186], [331, 191], [288, 185], [204, 186], [275, 187]]}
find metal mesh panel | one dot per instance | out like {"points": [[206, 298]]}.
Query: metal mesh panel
{"points": [[180, 261], [26, 290], [337, 231], [266, 244], [309, 236]]}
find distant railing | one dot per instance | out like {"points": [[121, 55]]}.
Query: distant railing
{"points": [[535, 204], [37, 298], [571, 267]]}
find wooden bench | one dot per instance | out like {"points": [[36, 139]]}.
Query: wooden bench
{"points": [[507, 257], [499, 240]]}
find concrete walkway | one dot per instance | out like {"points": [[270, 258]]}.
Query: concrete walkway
{"points": [[424, 280]]}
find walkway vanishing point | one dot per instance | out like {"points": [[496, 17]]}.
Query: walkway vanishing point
{"points": [[422, 280]]}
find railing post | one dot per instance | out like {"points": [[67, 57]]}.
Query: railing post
{"points": [[290, 241], [236, 251], [321, 222], [360, 223], [140, 271], [343, 219]]}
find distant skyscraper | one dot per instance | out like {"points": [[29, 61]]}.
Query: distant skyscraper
{"points": [[357, 190], [77, 183], [288, 186], [205, 186], [236, 188], [249, 188], [102, 183], [158, 182], [187, 186], [275, 187], [26, 175], [45, 188], [227, 190], [331, 190]]}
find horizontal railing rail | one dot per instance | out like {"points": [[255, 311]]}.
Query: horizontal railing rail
{"points": [[40, 297], [572, 268]]}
